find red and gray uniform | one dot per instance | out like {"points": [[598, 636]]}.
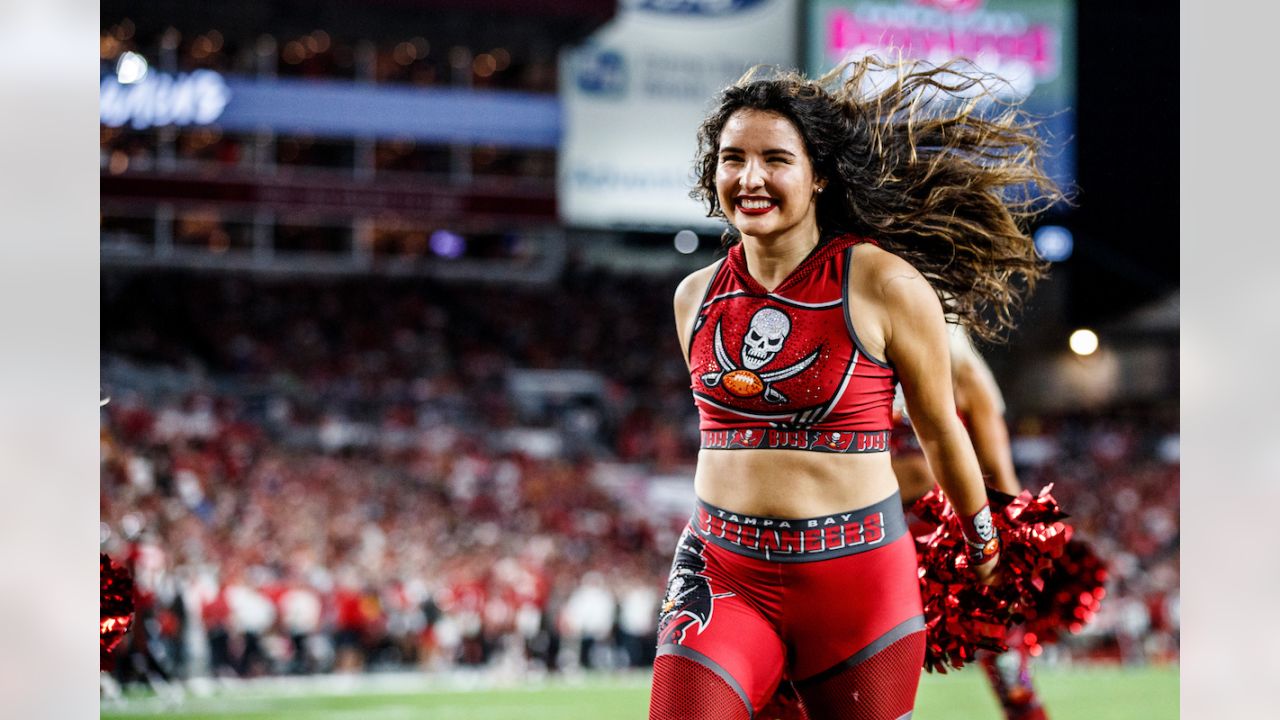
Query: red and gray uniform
{"points": [[785, 369], [830, 604]]}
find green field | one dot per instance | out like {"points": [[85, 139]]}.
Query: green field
{"points": [[1096, 693]]}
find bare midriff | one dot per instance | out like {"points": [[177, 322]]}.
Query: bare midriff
{"points": [[792, 483]]}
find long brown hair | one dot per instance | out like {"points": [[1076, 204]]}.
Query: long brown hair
{"points": [[933, 165]]}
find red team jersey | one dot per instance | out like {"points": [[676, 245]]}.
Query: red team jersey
{"points": [[785, 369]]}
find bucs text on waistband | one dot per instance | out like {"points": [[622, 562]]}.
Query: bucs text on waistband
{"points": [[763, 438], [785, 537]]}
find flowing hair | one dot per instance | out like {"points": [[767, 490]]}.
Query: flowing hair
{"points": [[925, 159]]}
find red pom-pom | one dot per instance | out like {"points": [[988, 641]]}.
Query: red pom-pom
{"points": [[116, 604], [962, 615], [1073, 592]]}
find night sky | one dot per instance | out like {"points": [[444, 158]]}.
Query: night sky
{"points": [[1126, 221]]}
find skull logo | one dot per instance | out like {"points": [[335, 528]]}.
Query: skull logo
{"points": [[769, 330], [983, 524]]}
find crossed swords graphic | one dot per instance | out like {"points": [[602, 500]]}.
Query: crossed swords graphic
{"points": [[727, 365]]}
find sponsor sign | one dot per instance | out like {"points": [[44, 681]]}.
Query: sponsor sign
{"points": [[331, 108], [197, 98], [633, 97], [1029, 43]]}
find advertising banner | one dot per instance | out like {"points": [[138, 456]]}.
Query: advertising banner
{"points": [[332, 108], [1029, 43], [633, 96]]}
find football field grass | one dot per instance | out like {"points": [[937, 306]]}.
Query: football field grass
{"points": [[1091, 693]]}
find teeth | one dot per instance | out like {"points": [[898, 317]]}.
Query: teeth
{"points": [[752, 204]]}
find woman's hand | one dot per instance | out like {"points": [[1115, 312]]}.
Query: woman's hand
{"points": [[989, 572]]}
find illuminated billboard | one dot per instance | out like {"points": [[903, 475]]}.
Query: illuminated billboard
{"points": [[330, 108], [1029, 43], [633, 96]]}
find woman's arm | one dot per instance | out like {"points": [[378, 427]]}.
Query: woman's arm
{"points": [[917, 343], [979, 399], [689, 294]]}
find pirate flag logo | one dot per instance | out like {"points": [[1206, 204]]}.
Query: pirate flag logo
{"points": [[689, 599], [762, 342]]}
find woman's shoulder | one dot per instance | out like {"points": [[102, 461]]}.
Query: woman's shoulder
{"points": [[694, 285], [876, 271], [891, 288]]}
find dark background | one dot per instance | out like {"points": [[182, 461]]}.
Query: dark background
{"points": [[1126, 219]]}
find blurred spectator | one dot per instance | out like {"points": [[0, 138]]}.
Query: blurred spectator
{"points": [[588, 617], [637, 620], [300, 613], [252, 615]]}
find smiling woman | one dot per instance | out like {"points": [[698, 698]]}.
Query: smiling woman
{"points": [[856, 216], [764, 178], [932, 164]]}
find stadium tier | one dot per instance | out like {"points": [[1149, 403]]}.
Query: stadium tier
{"points": [[372, 484]]}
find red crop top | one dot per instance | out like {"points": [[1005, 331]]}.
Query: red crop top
{"points": [[785, 369]]}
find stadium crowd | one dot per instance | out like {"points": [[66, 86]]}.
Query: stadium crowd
{"points": [[408, 60], [358, 485], [435, 54]]}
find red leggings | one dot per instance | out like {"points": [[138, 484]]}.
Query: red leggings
{"points": [[831, 604]]}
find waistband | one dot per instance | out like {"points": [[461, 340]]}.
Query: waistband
{"points": [[801, 540], [764, 437]]}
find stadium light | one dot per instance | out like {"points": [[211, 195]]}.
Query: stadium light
{"points": [[131, 68], [447, 244], [1083, 342], [1054, 243], [686, 241]]}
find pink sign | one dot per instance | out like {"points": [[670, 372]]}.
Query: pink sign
{"points": [[952, 5], [1032, 44]]}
